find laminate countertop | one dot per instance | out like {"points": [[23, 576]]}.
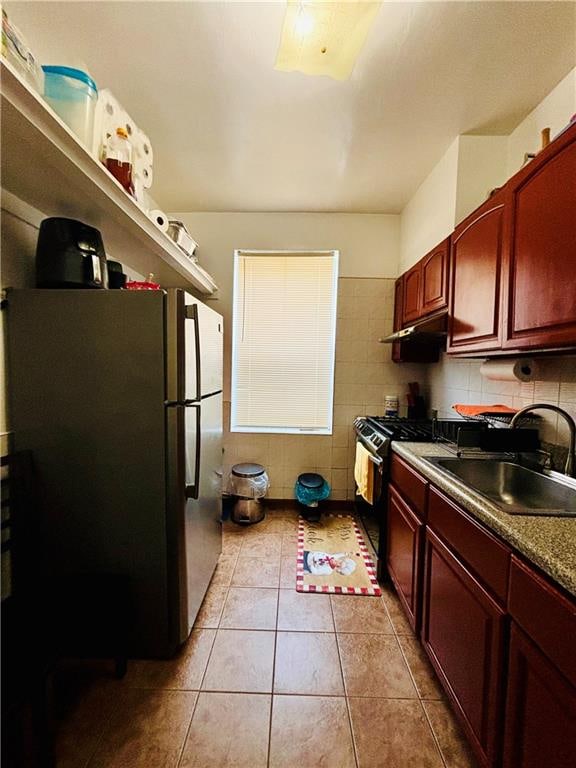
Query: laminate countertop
{"points": [[548, 542]]}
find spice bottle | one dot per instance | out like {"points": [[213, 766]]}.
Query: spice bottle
{"points": [[119, 158]]}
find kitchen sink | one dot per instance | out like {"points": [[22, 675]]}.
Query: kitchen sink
{"points": [[515, 489]]}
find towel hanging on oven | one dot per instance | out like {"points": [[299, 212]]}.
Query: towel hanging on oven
{"points": [[364, 473]]}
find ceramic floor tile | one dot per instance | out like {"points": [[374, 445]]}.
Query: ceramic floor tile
{"points": [[393, 733], [250, 608], [424, 676], [183, 672], [360, 614], [87, 706], [231, 545], [228, 730], [453, 745], [148, 729], [211, 608], [242, 661], [373, 665], [289, 544], [288, 572], [302, 612], [396, 612], [267, 545], [256, 572], [307, 663], [224, 570], [310, 731], [281, 525]]}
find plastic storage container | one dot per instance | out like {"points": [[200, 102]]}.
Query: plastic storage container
{"points": [[16, 50], [72, 94]]}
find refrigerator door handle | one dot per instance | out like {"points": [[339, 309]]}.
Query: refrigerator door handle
{"points": [[193, 489], [191, 313]]}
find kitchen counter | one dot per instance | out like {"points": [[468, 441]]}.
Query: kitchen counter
{"points": [[548, 542]]}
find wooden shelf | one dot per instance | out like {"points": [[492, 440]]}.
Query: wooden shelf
{"points": [[44, 164]]}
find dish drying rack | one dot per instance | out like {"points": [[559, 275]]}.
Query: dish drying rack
{"points": [[464, 436], [501, 420]]}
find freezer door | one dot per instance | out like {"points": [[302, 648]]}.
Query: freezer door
{"points": [[203, 529], [194, 348], [196, 492]]}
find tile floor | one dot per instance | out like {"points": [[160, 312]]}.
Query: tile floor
{"points": [[270, 677]]}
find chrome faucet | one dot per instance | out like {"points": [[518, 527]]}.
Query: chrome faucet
{"points": [[571, 458]]}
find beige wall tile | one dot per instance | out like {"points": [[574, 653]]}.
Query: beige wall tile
{"points": [[340, 458], [339, 479], [340, 437]]}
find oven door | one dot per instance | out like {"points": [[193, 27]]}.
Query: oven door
{"points": [[373, 516]]}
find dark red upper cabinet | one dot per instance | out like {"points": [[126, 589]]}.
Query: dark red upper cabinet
{"points": [[411, 295], [434, 279], [476, 271], [425, 286], [540, 250]]}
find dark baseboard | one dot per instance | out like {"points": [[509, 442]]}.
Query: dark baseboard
{"points": [[327, 505]]}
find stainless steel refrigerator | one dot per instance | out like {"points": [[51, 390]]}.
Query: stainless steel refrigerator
{"points": [[118, 394]]}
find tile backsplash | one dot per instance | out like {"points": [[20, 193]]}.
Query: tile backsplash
{"points": [[364, 375], [459, 381]]}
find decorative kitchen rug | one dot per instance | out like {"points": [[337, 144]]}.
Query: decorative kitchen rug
{"points": [[333, 557]]}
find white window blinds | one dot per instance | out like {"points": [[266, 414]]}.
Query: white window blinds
{"points": [[284, 329]]}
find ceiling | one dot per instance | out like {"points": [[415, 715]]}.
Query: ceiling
{"points": [[232, 134]]}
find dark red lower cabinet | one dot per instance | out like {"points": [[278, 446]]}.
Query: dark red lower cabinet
{"points": [[540, 710], [403, 555], [463, 632]]}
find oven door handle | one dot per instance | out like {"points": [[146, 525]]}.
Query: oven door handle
{"points": [[378, 460]]}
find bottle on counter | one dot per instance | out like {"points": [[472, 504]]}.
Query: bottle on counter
{"points": [[118, 158], [391, 406]]}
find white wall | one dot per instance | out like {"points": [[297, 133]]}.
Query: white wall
{"points": [[470, 168], [553, 112], [368, 245], [364, 373], [460, 181], [429, 216], [481, 168]]}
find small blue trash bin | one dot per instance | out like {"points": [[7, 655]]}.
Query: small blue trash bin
{"points": [[310, 489]]}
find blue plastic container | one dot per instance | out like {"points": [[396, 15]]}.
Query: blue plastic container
{"points": [[72, 94]]}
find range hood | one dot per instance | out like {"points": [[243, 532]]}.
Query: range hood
{"points": [[431, 329]]}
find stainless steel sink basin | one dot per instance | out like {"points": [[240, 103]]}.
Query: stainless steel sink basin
{"points": [[517, 490]]}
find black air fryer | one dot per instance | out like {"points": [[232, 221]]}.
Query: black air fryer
{"points": [[70, 254]]}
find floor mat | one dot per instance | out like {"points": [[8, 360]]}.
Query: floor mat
{"points": [[333, 557]]}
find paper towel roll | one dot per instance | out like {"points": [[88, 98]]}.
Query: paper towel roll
{"points": [[523, 369], [159, 218], [143, 147]]}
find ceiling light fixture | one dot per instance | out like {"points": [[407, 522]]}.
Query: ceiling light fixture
{"points": [[320, 37]]}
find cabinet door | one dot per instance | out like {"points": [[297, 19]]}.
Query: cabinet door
{"points": [[476, 265], [463, 634], [403, 555], [435, 279], [411, 300], [540, 263], [540, 710]]}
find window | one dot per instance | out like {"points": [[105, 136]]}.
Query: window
{"points": [[284, 330]]}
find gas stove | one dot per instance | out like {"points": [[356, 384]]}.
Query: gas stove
{"points": [[377, 432]]}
